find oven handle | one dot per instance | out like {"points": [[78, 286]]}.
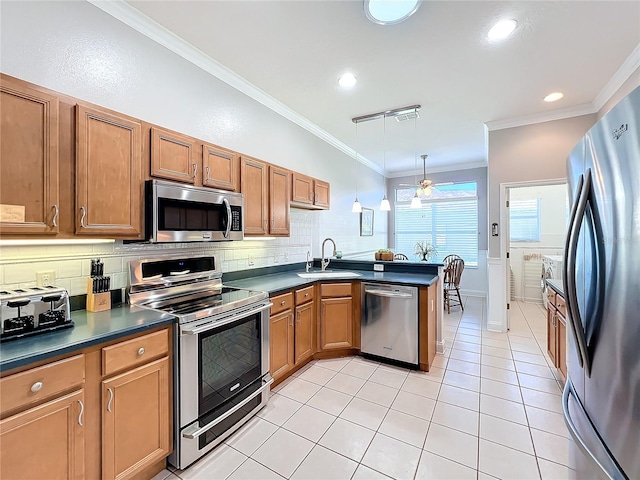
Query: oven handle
{"points": [[211, 325], [193, 432]]}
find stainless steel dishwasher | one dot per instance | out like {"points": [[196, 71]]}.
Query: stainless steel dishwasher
{"points": [[389, 324]]}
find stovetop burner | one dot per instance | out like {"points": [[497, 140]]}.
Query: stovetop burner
{"points": [[188, 294]]}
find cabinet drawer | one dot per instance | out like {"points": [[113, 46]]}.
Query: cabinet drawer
{"points": [[134, 352], [561, 306], [335, 290], [304, 295], [282, 302], [40, 383], [551, 297]]}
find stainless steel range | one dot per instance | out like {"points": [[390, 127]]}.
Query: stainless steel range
{"points": [[221, 368]]}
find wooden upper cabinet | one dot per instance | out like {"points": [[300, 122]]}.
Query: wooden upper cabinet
{"points": [[46, 441], [135, 420], [219, 168], [322, 194], [108, 173], [279, 188], [254, 184], [173, 156], [29, 185], [302, 189]]}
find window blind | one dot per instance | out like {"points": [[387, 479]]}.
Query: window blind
{"points": [[524, 220], [448, 220]]}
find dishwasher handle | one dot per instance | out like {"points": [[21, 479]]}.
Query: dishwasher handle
{"points": [[389, 294]]}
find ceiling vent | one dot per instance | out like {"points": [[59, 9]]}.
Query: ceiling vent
{"points": [[407, 116]]}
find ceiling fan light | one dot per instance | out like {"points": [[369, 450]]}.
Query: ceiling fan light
{"points": [[415, 201], [356, 208], [427, 191], [385, 206]]}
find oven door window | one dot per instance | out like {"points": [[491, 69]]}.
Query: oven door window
{"points": [[229, 361], [180, 216]]}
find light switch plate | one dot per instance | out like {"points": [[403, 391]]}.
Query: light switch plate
{"points": [[378, 267]]}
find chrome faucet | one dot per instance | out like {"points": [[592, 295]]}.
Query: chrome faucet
{"points": [[308, 267], [324, 263]]}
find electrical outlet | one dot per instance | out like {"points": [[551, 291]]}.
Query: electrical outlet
{"points": [[286, 255], [378, 267], [276, 258], [45, 278], [251, 260]]}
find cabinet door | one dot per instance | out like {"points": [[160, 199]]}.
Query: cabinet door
{"points": [[279, 197], [552, 334], [220, 168], [281, 339], [29, 186], [336, 324], [172, 156], [302, 189], [135, 420], [254, 184], [322, 194], [45, 441], [304, 331], [562, 346], [108, 174]]}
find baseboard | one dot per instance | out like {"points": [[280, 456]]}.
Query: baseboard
{"points": [[495, 327], [441, 347], [473, 293]]}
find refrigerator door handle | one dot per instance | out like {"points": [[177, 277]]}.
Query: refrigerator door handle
{"points": [[569, 271], [612, 470]]}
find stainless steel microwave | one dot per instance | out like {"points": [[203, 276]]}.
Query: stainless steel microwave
{"points": [[182, 213]]}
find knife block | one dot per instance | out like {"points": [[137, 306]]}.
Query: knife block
{"points": [[97, 302]]}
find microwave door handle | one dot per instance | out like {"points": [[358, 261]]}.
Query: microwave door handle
{"points": [[228, 207]]}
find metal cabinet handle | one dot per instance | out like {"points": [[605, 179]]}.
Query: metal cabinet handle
{"points": [[291, 319], [36, 387], [84, 214], [195, 169], [54, 222], [110, 390], [141, 351], [298, 318], [266, 224], [306, 294], [282, 303], [81, 412], [273, 222], [208, 170]]}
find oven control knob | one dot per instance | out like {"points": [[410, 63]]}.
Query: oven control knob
{"points": [[36, 387], [141, 351]]}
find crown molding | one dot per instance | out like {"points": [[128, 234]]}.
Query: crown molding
{"points": [[135, 19], [439, 169], [630, 65], [558, 114]]}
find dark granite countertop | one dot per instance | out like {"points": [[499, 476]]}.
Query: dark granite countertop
{"points": [[556, 285], [90, 329], [279, 282]]}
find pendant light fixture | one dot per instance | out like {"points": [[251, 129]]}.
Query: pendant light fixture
{"points": [[385, 206], [356, 207], [415, 201]]}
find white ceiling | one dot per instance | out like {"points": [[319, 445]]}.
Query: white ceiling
{"points": [[439, 58]]}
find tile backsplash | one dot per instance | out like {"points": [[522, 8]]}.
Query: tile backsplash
{"points": [[71, 263]]}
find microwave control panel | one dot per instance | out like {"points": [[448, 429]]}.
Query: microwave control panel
{"points": [[236, 224]]}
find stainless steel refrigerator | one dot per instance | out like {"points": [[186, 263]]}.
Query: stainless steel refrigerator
{"points": [[601, 276]]}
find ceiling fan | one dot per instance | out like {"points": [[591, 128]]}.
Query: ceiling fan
{"points": [[424, 186]]}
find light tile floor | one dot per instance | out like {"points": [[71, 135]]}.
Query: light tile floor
{"points": [[490, 408]]}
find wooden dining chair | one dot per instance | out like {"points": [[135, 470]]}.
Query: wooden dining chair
{"points": [[453, 267]]}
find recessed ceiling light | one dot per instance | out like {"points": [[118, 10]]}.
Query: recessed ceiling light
{"points": [[502, 29], [552, 97], [347, 80], [390, 12]]}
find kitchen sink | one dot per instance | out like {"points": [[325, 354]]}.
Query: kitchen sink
{"points": [[332, 274]]}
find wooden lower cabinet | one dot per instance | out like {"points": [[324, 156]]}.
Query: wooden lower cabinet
{"points": [[304, 332], [552, 334], [135, 420], [46, 441], [562, 346], [336, 323], [281, 344], [557, 332]]}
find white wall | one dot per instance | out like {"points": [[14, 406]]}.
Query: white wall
{"points": [[76, 49], [553, 226]]}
